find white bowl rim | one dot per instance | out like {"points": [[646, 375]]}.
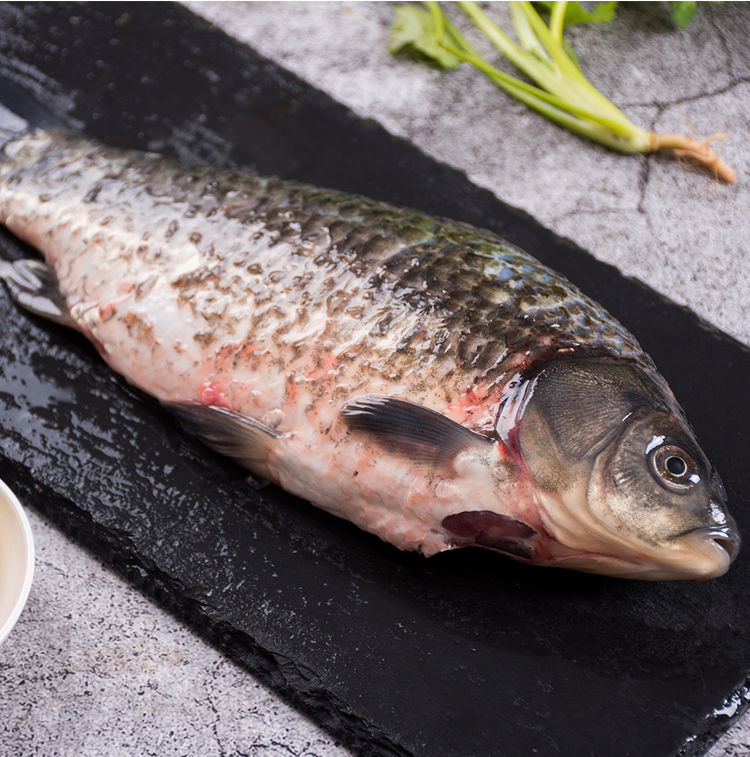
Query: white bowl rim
{"points": [[23, 595]]}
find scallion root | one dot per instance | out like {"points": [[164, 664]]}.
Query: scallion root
{"points": [[701, 152]]}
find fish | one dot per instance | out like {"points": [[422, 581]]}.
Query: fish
{"points": [[422, 378]]}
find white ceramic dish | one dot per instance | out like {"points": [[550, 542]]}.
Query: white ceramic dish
{"points": [[16, 560]]}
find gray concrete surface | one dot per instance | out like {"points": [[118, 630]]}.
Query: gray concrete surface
{"points": [[94, 668]]}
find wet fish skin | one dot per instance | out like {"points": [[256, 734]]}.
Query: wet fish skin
{"points": [[315, 248], [286, 304]]}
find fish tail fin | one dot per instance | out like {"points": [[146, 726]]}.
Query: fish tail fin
{"points": [[31, 283], [21, 112]]}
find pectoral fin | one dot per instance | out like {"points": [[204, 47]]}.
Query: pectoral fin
{"points": [[484, 528], [411, 430], [244, 439], [34, 286]]}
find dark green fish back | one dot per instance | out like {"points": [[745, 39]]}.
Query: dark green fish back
{"points": [[490, 302], [423, 291]]}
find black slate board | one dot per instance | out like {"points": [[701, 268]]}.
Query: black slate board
{"points": [[464, 654]]}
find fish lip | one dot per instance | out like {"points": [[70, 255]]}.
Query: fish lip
{"points": [[710, 550], [698, 554], [726, 537]]}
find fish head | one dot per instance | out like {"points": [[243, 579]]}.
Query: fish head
{"points": [[623, 486]]}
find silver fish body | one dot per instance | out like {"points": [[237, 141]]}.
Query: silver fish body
{"points": [[424, 379]]}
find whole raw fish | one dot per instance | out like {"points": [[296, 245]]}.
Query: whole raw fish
{"points": [[422, 378]]}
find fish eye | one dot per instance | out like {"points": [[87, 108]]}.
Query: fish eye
{"points": [[674, 467]]}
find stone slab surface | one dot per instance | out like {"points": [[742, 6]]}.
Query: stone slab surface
{"points": [[682, 233]]}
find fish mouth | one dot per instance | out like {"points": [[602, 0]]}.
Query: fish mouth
{"points": [[585, 544], [699, 555], [713, 550]]}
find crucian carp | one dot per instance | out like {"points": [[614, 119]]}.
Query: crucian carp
{"points": [[422, 378]]}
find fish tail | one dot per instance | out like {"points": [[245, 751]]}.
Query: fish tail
{"points": [[31, 283]]}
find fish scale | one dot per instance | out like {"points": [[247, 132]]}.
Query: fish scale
{"points": [[479, 301], [266, 312]]}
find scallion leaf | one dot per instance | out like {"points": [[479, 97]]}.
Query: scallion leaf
{"points": [[559, 90], [682, 12]]}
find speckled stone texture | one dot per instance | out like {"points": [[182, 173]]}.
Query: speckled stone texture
{"points": [[154, 687], [95, 668]]}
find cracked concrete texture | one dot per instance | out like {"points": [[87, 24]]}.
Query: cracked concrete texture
{"points": [[95, 668]]}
